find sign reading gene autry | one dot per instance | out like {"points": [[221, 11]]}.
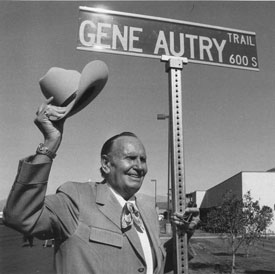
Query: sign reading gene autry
{"points": [[147, 36]]}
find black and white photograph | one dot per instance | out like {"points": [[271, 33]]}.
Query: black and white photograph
{"points": [[137, 137]]}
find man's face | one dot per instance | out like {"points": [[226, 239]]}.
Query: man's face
{"points": [[126, 166]]}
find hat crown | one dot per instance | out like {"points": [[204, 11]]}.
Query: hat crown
{"points": [[59, 83]]}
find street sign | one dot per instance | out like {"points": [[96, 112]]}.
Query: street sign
{"points": [[147, 36]]}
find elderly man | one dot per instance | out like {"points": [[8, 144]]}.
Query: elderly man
{"points": [[98, 227]]}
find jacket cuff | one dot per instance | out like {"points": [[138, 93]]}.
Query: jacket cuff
{"points": [[29, 173]]}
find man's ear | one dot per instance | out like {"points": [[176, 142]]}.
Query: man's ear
{"points": [[105, 164]]}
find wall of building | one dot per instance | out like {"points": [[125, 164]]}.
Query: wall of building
{"points": [[198, 196], [214, 196], [262, 188]]}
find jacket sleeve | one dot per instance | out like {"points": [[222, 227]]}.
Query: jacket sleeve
{"points": [[29, 211]]}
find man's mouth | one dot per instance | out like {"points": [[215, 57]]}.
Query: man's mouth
{"points": [[135, 176]]}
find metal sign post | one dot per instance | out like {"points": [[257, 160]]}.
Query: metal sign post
{"points": [[174, 67]]}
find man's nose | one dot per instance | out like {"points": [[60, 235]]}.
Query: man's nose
{"points": [[139, 164]]}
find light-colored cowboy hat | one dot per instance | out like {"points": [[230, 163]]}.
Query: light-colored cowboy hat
{"points": [[73, 90]]}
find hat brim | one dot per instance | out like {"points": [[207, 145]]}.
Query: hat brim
{"points": [[93, 79]]}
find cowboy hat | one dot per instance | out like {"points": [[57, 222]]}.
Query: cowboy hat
{"points": [[73, 90]]}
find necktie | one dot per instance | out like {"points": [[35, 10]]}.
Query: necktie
{"points": [[130, 215]]}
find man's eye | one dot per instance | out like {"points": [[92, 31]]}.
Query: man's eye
{"points": [[132, 158]]}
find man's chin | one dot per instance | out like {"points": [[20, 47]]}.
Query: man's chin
{"points": [[135, 184]]}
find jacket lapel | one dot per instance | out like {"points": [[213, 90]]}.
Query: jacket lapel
{"points": [[149, 220], [133, 238], [108, 204], [110, 207]]}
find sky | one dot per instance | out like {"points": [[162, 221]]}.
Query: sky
{"points": [[228, 114]]}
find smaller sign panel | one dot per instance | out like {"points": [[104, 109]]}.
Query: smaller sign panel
{"points": [[147, 36]]}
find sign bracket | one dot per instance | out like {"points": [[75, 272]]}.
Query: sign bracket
{"points": [[174, 66]]}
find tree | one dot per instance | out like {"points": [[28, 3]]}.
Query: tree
{"points": [[243, 221]]}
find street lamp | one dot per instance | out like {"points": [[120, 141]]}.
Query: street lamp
{"points": [[155, 181], [164, 117]]}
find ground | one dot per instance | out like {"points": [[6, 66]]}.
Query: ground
{"points": [[212, 256]]}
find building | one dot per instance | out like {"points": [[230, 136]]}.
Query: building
{"points": [[196, 197], [260, 184]]}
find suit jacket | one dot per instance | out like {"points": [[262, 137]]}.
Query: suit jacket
{"points": [[84, 218]]}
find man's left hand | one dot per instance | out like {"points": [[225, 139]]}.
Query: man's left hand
{"points": [[188, 220]]}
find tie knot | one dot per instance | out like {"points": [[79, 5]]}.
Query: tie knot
{"points": [[131, 208], [130, 215]]}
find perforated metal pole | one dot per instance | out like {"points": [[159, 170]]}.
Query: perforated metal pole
{"points": [[174, 68]]}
